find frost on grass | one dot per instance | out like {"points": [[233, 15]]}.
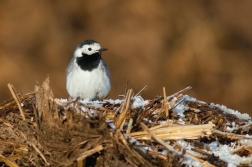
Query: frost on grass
{"points": [[231, 111], [186, 110]]}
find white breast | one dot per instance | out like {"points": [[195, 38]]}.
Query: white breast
{"points": [[88, 84]]}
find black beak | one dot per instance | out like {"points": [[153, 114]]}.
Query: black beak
{"points": [[102, 49]]}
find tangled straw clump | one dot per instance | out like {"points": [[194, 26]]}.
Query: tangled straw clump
{"points": [[40, 130]]}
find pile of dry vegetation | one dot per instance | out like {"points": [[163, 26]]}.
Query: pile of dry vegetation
{"points": [[40, 130]]}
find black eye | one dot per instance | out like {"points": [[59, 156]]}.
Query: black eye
{"points": [[89, 49]]}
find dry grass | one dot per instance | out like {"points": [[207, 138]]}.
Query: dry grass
{"points": [[39, 130]]}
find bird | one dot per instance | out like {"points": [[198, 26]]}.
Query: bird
{"points": [[87, 75]]}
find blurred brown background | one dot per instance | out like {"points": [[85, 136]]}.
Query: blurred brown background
{"points": [[203, 44]]}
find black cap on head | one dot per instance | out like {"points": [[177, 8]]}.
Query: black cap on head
{"points": [[87, 42]]}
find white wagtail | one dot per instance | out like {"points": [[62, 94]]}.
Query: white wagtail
{"points": [[87, 74]]}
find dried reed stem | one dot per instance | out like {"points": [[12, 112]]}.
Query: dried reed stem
{"points": [[168, 123], [183, 90], [7, 161], [166, 107], [125, 109], [14, 94], [40, 153], [129, 126], [132, 151], [139, 93], [90, 152], [170, 148], [231, 135], [175, 132], [159, 140], [80, 164]]}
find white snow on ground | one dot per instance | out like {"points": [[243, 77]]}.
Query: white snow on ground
{"points": [[219, 150], [111, 101], [231, 127], [230, 111], [246, 142], [139, 102], [62, 100], [189, 162], [180, 109], [224, 153]]}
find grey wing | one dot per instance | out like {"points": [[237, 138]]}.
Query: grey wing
{"points": [[104, 68], [70, 66]]}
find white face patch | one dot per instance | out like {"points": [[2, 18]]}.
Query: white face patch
{"points": [[88, 49]]}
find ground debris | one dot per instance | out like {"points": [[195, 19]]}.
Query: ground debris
{"points": [[173, 131]]}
